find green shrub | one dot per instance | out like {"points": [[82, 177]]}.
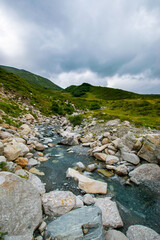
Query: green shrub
{"points": [[94, 106], [76, 120]]}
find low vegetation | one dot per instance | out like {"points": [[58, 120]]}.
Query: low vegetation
{"points": [[99, 102]]}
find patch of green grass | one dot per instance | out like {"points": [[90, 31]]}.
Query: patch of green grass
{"points": [[11, 121], [76, 120]]}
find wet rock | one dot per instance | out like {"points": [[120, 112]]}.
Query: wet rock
{"points": [[42, 159], [121, 170], [33, 179], [115, 235], [80, 166], [139, 232], [20, 206], [147, 174], [150, 150], [105, 172], [57, 203], [110, 159], [87, 184], [36, 171], [24, 129], [131, 158], [88, 199], [110, 213], [100, 156], [83, 223], [91, 167], [33, 162], [11, 150]]}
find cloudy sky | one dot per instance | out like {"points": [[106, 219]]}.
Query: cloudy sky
{"points": [[114, 43]]}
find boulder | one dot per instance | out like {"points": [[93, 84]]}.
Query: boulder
{"points": [[36, 171], [110, 159], [91, 167], [87, 184], [100, 156], [115, 235], [110, 213], [33, 179], [121, 170], [20, 206], [147, 174], [139, 232], [69, 139], [11, 150], [150, 150], [83, 223], [131, 158], [105, 141], [24, 129], [56, 203]]}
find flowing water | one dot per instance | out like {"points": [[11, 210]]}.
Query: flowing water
{"points": [[137, 204]]}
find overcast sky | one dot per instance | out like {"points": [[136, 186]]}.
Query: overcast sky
{"points": [[114, 43]]}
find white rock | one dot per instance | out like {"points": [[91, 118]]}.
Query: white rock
{"points": [[110, 213], [88, 199], [80, 166], [87, 184], [23, 149], [131, 158], [139, 232], [11, 150], [115, 235], [79, 202], [2, 159], [25, 129], [110, 159]]}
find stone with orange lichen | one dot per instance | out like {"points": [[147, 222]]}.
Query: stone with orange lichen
{"points": [[57, 203]]}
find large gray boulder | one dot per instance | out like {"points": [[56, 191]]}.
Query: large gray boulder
{"points": [[130, 157], [20, 206], [139, 232], [110, 213], [147, 174], [150, 150], [57, 203], [69, 139], [83, 223]]}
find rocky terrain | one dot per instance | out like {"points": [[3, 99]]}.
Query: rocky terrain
{"points": [[118, 148]]}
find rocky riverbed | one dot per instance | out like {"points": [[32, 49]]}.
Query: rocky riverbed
{"points": [[60, 182]]}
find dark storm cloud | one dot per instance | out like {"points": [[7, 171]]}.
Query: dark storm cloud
{"points": [[110, 43]]}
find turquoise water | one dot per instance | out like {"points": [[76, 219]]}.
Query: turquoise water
{"points": [[137, 204]]}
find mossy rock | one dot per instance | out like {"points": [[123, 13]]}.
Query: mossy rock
{"points": [[105, 172]]}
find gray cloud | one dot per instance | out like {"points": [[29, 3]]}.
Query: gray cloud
{"points": [[65, 39]]}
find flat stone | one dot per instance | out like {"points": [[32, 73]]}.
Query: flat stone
{"points": [[115, 235], [83, 223], [20, 206], [87, 184], [139, 232], [110, 213], [100, 149], [36, 171], [42, 159], [56, 203], [131, 158], [39, 147], [105, 172]]}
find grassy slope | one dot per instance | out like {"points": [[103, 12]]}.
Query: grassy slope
{"points": [[141, 109], [31, 78]]}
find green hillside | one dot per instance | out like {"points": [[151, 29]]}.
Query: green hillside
{"points": [[32, 78]]}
